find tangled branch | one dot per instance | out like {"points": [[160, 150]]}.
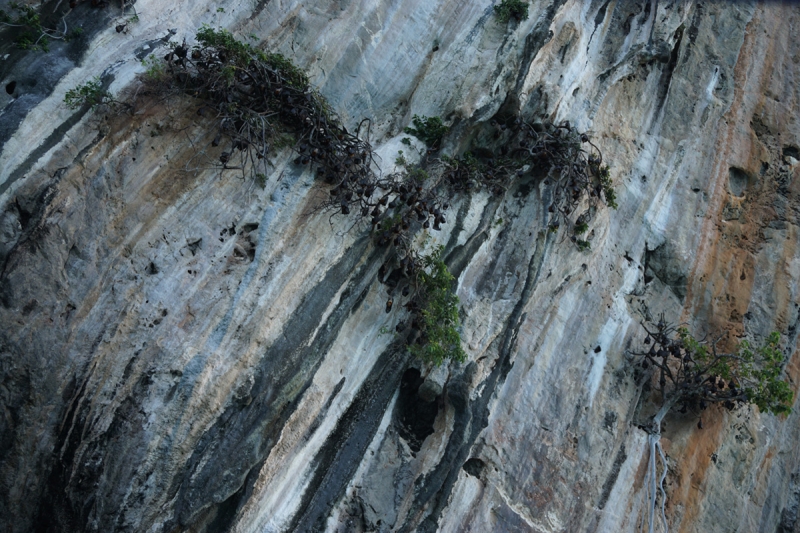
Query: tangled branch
{"points": [[692, 375], [259, 99]]}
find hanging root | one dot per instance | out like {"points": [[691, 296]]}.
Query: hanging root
{"points": [[653, 486], [661, 483]]}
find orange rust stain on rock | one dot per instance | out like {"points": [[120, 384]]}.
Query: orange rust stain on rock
{"points": [[692, 466], [721, 283]]}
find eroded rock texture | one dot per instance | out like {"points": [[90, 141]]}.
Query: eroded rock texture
{"points": [[182, 350]]}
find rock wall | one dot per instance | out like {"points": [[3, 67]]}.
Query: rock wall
{"points": [[182, 350]]}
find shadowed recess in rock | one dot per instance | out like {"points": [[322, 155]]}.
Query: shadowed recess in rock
{"points": [[413, 415]]}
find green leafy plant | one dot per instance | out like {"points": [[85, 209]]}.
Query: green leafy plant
{"points": [[429, 130], [602, 174], [692, 375], [32, 34], [508, 9], [239, 54], [438, 316], [74, 34], [155, 71], [262, 102], [90, 93]]}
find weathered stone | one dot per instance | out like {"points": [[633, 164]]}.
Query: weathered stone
{"points": [[182, 349]]}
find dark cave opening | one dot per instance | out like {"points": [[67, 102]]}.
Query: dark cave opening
{"points": [[413, 416]]}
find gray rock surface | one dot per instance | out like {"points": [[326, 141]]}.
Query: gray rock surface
{"points": [[181, 350]]}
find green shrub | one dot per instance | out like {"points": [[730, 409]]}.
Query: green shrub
{"points": [[756, 370], [439, 313], [429, 130], [154, 69], [26, 19], [241, 54], [508, 9], [693, 375], [602, 173], [90, 93]]}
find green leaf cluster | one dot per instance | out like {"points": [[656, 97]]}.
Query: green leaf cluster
{"points": [[33, 36], [602, 173], [240, 54], [757, 370], [429, 130], [90, 93], [155, 70], [508, 9], [439, 313]]}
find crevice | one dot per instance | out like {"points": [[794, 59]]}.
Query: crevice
{"points": [[414, 417], [612, 476], [471, 417], [243, 436], [666, 75]]}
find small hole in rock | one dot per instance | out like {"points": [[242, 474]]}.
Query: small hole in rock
{"points": [[738, 180], [10, 86], [474, 467], [788, 150]]}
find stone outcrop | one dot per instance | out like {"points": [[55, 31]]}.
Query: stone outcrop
{"points": [[183, 350]]}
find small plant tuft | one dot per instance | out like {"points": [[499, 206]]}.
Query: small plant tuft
{"points": [[439, 313], [429, 130], [508, 9], [601, 172], [90, 93], [31, 34]]}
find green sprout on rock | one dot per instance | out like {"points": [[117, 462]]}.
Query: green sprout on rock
{"points": [[429, 130], [439, 313], [90, 93], [508, 9]]}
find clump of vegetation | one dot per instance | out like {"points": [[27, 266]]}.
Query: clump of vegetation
{"points": [[90, 93], [262, 102], [32, 36], [155, 70], [574, 174], [434, 312], [240, 55], [602, 173], [30, 32], [508, 9], [429, 130], [692, 375]]}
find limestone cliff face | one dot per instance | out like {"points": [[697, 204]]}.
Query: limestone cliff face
{"points": [[182, 350]]}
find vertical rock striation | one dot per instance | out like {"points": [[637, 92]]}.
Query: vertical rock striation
{"points": [[183, 350]]}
